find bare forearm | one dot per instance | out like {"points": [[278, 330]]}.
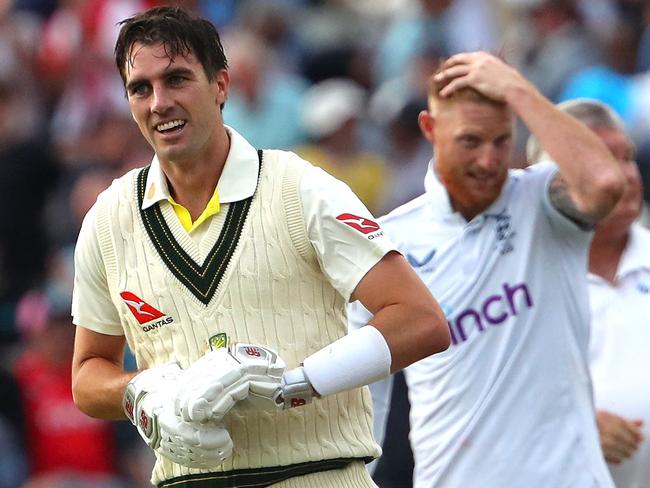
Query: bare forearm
{"points": [[412, 333], [592, 175], [98, 387]]}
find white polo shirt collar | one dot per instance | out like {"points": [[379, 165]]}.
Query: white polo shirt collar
{"points": [[441, 203], [237, 182]]}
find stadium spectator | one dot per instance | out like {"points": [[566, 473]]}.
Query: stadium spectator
{"points": [[619, 290], [64, 446], [333, 117]]}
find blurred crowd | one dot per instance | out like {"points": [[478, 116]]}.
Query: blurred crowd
{"points": [[340, 82]]}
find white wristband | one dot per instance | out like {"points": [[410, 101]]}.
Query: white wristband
{"points": [[357, 359]]}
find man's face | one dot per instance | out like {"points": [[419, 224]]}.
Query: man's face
{"points": [[174, 104], [628, 207], [473, 146]]}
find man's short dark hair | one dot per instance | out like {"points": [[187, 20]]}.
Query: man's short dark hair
{"points": [[180, 31]]}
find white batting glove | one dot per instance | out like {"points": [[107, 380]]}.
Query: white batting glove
{"points": [[264, 369], [192, 444], [146, 395], [149, 404], [211, 386], [270, 385]]}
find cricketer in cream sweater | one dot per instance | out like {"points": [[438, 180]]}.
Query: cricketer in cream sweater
{"points": [[286, 285], [227, 271]]}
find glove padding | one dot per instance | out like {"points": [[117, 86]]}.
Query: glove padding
{"points": [[146, 395], [271, 387], [264, 369], [192, 444], [216, 382], [149, 404]]}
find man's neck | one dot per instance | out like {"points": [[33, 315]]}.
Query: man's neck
{"points": [[605, 255], [192, 184]]}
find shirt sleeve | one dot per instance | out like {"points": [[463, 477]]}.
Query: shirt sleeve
{"points": [[92, 307], [347, 239]]}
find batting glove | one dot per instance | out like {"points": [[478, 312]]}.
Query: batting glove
{"points": [[270, 385], [211, 386], [148, 403], [195, 445], [144, 399]]}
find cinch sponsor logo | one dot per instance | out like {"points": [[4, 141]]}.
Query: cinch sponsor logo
{"points": [[362, 224], [494, 310], [145, 313]]}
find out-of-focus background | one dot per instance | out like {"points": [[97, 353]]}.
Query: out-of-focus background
{"points": [[340, 82]]}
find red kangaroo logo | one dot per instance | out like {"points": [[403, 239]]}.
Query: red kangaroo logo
{"points": [[140, 309], [362, 224]]}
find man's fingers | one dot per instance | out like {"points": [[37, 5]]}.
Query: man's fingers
{"points": [[453, 85], [450, 73]]}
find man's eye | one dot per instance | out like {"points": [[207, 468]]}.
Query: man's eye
{"points": [[139, 90], [176, 80], [469, 142]]}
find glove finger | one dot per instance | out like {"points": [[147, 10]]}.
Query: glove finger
{"points": [[214, 437], [219, 409], [265, 388], [198, 406]]}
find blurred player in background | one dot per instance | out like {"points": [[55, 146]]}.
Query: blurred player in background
{"points": [[509, 403], [227, 271], [619, 292]]}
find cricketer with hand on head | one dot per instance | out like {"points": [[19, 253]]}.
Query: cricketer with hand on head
{"points": [[509, 404], [227, 270]]}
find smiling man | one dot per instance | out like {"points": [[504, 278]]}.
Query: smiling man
{"points": [[505, 252], [227, 269]]}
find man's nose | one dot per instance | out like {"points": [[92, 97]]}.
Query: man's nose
{"points": [[488, 158], [161, 100]]}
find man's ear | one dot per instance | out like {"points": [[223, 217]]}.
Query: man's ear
{"points": [[222, 84], [427, 122]]}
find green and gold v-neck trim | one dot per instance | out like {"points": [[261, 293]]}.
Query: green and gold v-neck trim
{"points": [[202, 280]]}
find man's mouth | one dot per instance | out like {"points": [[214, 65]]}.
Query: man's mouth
{"points": [[171, 126]]}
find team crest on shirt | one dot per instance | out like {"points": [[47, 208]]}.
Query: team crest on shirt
{"points": [[366, 226], [218, 341], [505, 234], [147, 316]]}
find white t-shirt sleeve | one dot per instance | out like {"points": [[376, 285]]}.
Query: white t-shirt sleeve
{"points": [[346, 237], [547, 170], [92, 307]]}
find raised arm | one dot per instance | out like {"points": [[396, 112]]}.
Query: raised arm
{"points": [[590, 181], [404, 311]]}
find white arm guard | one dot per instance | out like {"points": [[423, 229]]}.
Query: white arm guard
{"points": [[357, 359]]}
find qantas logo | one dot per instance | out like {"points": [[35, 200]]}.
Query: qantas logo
{"points": [[145, 313], [362, 224], [140, 309]]}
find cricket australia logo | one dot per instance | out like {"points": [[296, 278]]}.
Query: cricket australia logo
{"points": [[218, 341], [147, 316]]}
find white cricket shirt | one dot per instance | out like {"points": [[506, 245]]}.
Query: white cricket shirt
{"points": [[620, 349], [509, 403], [344, 234]]}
